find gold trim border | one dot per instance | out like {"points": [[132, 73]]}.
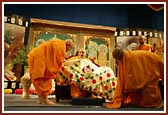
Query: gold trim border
{"points": [[156, 9]]}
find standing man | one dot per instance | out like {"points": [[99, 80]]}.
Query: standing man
{"points": [[143, 45], [44, 62], [137, 81]]}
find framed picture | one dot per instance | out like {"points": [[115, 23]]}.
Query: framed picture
{"points": [[14, 38], [47, 36], [13, 41], [158, 46], [127, 42], [98, 49], [155, 42], [40, 33]]}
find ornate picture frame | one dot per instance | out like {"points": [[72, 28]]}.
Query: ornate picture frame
{"points": [[41, 30], [98, 49], [14, 39]]}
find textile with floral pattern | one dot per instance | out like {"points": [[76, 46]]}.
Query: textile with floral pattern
{"points": [[88, 76]]}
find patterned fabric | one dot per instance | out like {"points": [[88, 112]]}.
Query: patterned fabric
{"points": [[88, 76]]}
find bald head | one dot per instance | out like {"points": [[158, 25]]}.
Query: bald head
{"points": [[142, 39], [69, 44], [118, 53]]}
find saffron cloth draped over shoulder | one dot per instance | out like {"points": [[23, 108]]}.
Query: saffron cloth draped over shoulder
{"points": [[138, 71], [49, 57]]}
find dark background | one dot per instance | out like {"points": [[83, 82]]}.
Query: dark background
{"points": [[115, 15]]}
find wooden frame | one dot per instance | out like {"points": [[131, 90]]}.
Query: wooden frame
{"points": [[78, 32], [98, 48]]}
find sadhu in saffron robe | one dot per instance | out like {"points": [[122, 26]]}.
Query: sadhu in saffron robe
{"points": [[137, 82], [146, 47], [44, 62]]}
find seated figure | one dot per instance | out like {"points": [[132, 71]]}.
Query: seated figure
{"points": [[84, 76], [76, 91]]}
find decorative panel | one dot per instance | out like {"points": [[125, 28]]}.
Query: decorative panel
{"points": [[98, 49], [128, 38], [84, 35], [127, 42], [47, 36], [14, 38]]}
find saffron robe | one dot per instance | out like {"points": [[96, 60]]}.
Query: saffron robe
{"points": [[145, 47], [138, 76], [44, 62]]}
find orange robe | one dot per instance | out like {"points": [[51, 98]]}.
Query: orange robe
{"points": [[44, 62], [145, 47], [138, 75]]}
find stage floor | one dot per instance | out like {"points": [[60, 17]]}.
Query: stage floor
{"points": [[15, 104]]}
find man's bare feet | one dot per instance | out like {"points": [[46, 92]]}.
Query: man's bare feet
{"points": [[45, 101], [48, 102], [40, 100]]}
